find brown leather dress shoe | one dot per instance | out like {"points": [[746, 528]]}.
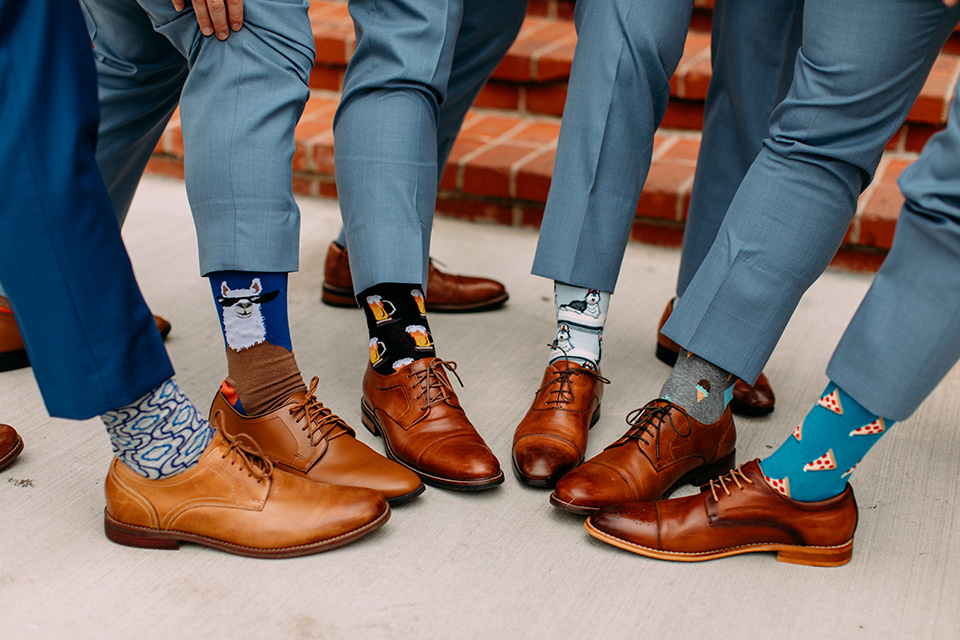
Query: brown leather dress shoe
{"points": [[663, 449], [424, 427], [737, 513], [305, 438], [552, 438], [237, 502], [446, 292], [11, 444], [13, 355], [748, 400]]}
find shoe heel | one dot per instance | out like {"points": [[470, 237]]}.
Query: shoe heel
{"points": [[135, 537], [705, 474], [818, 556], [666, 355], [369, 420]]}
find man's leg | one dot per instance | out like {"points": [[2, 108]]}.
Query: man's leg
{"points": [[753, 47], [240, 103], [386, 143], [487, 29], [618, 92], [899, 345]]}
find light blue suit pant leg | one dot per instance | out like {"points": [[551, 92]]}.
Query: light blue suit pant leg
{"points": [[753, 47], [859, 69], [387, 144], [487, 29], [905, 336], [618, 91], [240, 101]]}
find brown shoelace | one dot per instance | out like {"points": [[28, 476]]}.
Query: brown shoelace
{"points": [[721, 482], [244, 450], [564, 390], [648, 421], [434, 386], [320, 421]]}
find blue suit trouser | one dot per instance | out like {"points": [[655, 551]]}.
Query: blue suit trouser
{"points": [[416, 69], [90, 337]]}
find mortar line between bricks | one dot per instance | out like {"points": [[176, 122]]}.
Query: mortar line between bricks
{"points": [[682, 190], [669, 143], [516, 166], [945, 113], [546, 50]]}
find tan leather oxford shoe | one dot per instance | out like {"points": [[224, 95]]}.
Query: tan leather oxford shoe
{"points": [[237, 502], [305, 438]]}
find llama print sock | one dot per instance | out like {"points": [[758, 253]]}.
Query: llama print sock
{"points": [[253, 316], [702, 389], [160, 435], [581, 314], [816, 461], [397, 323]]}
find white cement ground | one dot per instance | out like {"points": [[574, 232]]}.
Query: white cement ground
{"points": [[499, 564]]}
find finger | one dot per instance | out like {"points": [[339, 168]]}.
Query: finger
{"points": [[218, 16], [235, 12], [178, 5], [203, 17]]}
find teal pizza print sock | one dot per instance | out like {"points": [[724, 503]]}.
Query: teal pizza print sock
{"points": [[700, 388], [581, 314], [816, 461]]}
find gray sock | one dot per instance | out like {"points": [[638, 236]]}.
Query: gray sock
{"points": [[703, 390]]}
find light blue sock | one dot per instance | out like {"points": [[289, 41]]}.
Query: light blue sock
{"points": [[161, 434], [817, 460], [581, 314]]}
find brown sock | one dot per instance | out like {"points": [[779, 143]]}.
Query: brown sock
{"points": [[264, 377]]}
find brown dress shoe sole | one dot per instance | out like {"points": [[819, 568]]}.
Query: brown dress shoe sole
{"points": [[337, 297], [8, 459], [371, 422], [143, 537], [541, 483], [696, 477], [792, 553]]}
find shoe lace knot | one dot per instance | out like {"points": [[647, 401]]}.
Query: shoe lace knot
{"points": [[736, 475], [563, 391], [434, 387], [244, 450], [318, 420], [648, 421]]}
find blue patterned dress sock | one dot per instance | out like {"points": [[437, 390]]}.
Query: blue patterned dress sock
{"points": [[397, 324], [161, 434], [256, 332], [581, 314], [816, 461], [702, 389]]}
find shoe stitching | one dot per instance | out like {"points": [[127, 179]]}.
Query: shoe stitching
{"points": [[739, 546]]}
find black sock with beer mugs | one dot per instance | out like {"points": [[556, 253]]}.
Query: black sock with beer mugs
{"points": [[397, 323]]}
